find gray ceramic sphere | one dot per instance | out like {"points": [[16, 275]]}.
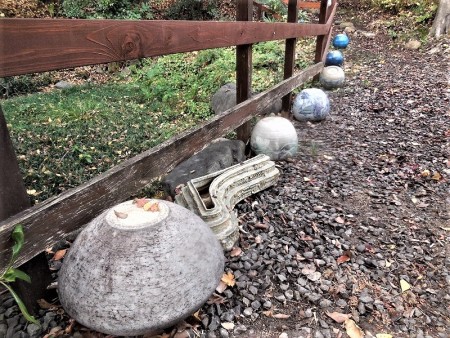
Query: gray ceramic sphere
{"points": [[275, 137], [332, 77], [139, 274], [311, 104]]}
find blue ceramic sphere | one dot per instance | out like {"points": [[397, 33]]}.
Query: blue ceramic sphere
{"points": [[311, 104], [341, 41], [334, 58]]}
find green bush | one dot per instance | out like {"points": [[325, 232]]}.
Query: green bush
{"points": [[193, 10], [108, 9]]}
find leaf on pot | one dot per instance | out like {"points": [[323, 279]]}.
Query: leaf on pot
{"points": [[140, 202], [352, 329], [151, 206], [342, 259], [228, 279], [280, 316], [228, 326], [59, 254], [338, 317], [120, 214], [404, 285], [236, 251]]}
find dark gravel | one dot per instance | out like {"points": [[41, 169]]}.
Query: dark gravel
{"points": [[363, 206]]}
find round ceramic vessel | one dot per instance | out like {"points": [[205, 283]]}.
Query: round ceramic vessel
{"points": [[311, 104], [332, 77], [133, 271], [341, 41], [334, 58], [275, 137]]}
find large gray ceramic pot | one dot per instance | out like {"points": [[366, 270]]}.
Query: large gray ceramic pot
{"points": [[132, 271]]}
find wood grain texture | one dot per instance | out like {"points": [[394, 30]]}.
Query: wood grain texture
{"points": [[305, 4], [244, 68], [46, 223], [37, 45], [289, 57]]}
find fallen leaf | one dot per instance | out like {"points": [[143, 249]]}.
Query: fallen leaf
{"points": [[383, 335], [436, 176], [352, 329], [216, 299], [342, 259], [140, 202], [221, 287], [236, 251], [43, 304], [120, 214], [339, 220], [414, 199], [314, 276], [404, 285], [268, 313], [425, 173], [228, 279], [388, 264], [280, 316], [228, 326], [59, 254], [306, 179], [69, 328], [151, 206], [338, 317]]}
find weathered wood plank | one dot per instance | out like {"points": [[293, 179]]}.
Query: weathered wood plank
{"points": [[305, 5], [289, 58], [244, 68], [323, 41], [54, 219], [36, 45]]}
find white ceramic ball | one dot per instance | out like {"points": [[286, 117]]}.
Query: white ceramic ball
{"points": [[332, 77], [132, 271], [311, 104], [275, 137]]}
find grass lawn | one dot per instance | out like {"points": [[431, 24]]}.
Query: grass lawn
{"points": [[65, 137]]}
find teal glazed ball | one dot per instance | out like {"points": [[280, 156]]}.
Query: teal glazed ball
{"points": [[311, 104], [341, 41], [334, 58], [332, 77]]}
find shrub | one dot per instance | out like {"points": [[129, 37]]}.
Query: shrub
{"points": [[193, 10], [108, 9]]}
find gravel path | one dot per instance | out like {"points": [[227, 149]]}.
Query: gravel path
{"points": [[363, 210]]}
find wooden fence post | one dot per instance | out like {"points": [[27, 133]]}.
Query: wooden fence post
{"points": [[244, 67], [14, 199], [323, 40], [289, 57]]}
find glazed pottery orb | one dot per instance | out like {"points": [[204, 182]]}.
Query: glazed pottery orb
{"points": [[341, 41], [332, 77], [334, 58], [138, 269], [311, 104], [275, 137]]}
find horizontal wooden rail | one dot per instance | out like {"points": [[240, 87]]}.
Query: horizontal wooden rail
{"points": [[37, 45], [305, 4], [55, 218]]}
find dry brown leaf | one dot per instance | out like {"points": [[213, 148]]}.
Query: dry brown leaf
{"points": [[216, 299], [59, 254], [342, 259], [43, 304], [352, 329], [69, 327], [436, 176], [228, 279], [120, 214], [236, 251], [268, 313], [221, 287], [338, 317], [140, 202], [280, 316], [339, 220]]}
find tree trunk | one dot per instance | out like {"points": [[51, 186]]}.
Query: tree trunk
{"points": [[441, 23]]}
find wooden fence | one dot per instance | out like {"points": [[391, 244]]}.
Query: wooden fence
{"points": [[38, 45]]}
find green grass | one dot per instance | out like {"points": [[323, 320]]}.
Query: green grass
{"points": [[64, 138]]}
